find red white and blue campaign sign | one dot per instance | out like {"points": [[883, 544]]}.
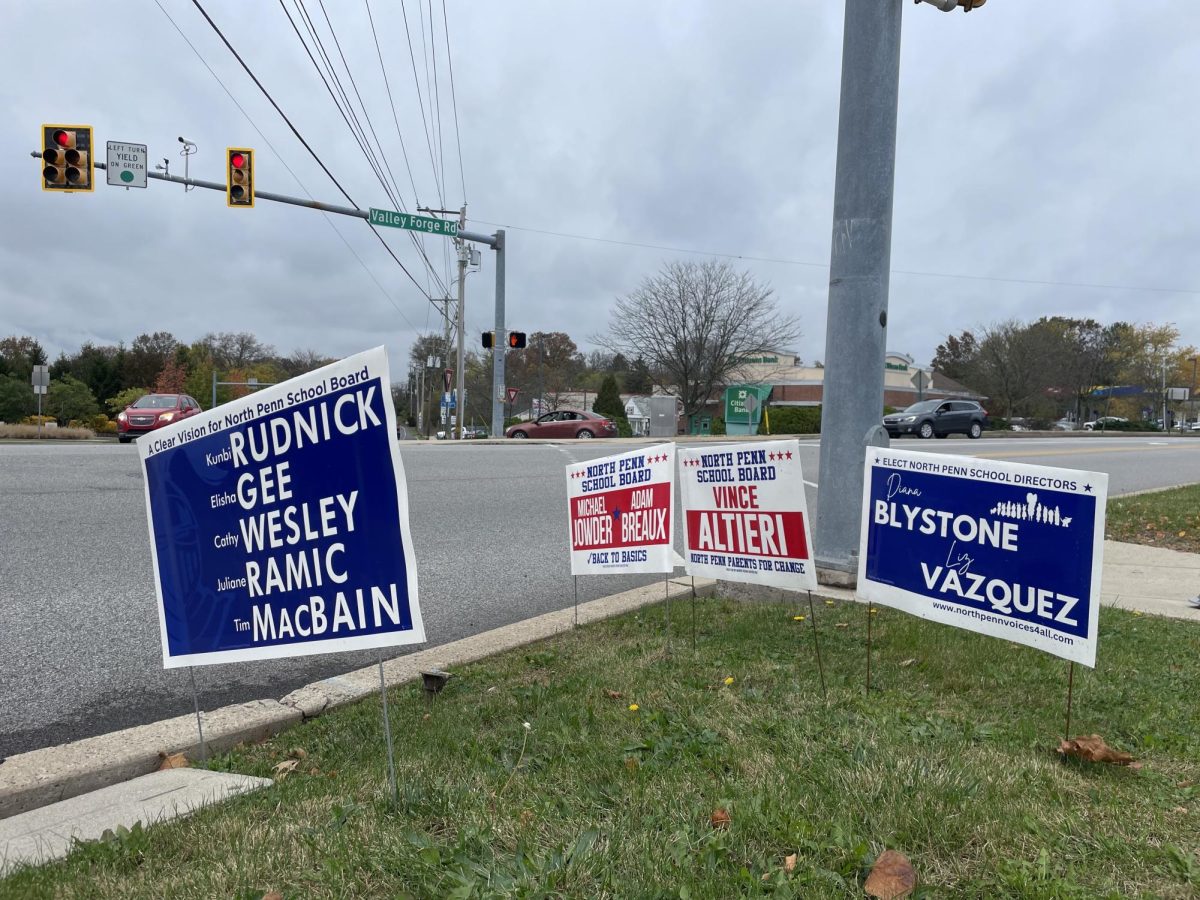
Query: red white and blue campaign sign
{"points": [[279, 522], [1005, 549], [745, 516], [621, 512]]}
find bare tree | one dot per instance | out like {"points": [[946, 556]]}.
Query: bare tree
{"points": [[694, 323]]}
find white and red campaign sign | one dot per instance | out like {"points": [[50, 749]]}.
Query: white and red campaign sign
{"points": [[745, 516], [622, 511]]}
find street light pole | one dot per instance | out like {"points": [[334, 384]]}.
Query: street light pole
{"points": [[856, 331]]}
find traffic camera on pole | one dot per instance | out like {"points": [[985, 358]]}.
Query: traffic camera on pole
{"points": [[489, 340], [951, 5], [67, 163], [516, 340], [239, 177]]}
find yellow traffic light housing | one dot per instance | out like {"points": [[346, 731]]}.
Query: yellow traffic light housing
{"points": [[67, 162], [239, 176]]}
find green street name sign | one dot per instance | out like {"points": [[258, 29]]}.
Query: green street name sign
{"points": [[428, 224]]}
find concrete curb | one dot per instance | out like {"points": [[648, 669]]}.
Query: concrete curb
{"points": [[41, 777]]}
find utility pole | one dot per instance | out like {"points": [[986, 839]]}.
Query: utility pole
{"points": [[500, 344], [461, 384], [855, 340]]}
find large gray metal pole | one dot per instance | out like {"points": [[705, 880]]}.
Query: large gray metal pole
{"points": [[460, 384], [856, 328], [500, 343]]}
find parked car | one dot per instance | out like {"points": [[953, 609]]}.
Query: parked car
{"points": [[564, 423], [470, 432], [1103, 422], [152, 411], [938, 418], [1195, 426]]}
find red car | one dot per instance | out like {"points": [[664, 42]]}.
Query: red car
{"points": [[153, 411], [564, 423]]}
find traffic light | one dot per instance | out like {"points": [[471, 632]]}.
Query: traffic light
{"points": [[516, 340], [67, 158], [489, 340], [951, 5], [239, 177]]}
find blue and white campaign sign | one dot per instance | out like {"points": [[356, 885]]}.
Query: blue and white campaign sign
{"points": [[620, 512], [279, 522], [744, 514], [1001, 548]]}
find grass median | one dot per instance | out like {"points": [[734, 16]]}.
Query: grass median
{"points": [[1169, 518], [590, 765]]}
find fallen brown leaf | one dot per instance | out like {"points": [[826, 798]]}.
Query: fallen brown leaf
{"points": [[720, 818], [314, 771], [841, 624], [614, 695], [908, 662], [174, 761], [526, 816], [273, 895], [892, 877], [285, 768], [789, 863], [632, 764], [1092, 748], [297, 753]]}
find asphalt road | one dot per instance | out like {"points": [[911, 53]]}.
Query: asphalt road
{"points": [[79, 642]]}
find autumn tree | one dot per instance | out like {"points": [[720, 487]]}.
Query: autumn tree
{"points": [[694, 323], [171, 379]]}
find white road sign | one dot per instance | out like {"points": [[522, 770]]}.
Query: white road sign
{"points": [[126, 164]]}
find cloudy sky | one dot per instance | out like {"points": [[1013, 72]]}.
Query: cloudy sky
{"points": [[1047, 150]]}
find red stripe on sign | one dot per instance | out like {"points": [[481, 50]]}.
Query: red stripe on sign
{"points": [[629, 517], [747, 532]]}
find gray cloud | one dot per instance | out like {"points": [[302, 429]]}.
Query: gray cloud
{"points": [[1036, 141]]}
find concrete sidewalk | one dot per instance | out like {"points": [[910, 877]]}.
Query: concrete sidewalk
{"points": [[1150, 579]]}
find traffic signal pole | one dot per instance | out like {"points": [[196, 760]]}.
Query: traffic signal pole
{"points": [[856, 327], [460, 376], [495, 241]]}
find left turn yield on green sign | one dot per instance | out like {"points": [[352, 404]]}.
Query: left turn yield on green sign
{"points": [[126, 164]]}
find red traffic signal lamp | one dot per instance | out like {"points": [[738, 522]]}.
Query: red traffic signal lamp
{"points": [[489, 340], [516, 340], [67, 163], [239, 177]]}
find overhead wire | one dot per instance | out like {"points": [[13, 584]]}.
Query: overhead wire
{"points": [[295, 177], [454, 101], [818, 265], [350, 117], [305, 143], [420, 101]]}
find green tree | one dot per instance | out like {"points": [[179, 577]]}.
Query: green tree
{"points": [[16, 399], [127, 397], [69, 398], [21, 354], [694, 323], [608, 403], [146, 357], [639, 380]]}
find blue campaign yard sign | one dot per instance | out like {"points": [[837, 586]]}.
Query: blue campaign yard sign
{"points": [[279, 522], [1004, 549]]}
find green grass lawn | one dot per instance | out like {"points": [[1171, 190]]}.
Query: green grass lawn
{"points": [[1162, 519], [950, 760]]}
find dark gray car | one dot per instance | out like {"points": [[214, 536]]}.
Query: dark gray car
{"points": [[938, 418]]}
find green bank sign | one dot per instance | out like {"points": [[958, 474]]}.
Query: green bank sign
{"points": [[743, 407], [427, 224]]}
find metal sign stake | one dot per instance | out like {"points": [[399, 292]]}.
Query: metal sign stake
{"points": [[868, 690], [693, 614], [1070, 692], [196, 704], [667, 600], [387, 729], [576, 578], [812, 614]]}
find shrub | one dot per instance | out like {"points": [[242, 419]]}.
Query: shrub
{"points": [[718, 425], [996, 423], [795, 419], [99, 423]]}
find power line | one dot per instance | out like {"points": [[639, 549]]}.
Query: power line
{"points": [[817, 265], [421, 103], [392, 103], [278, 156], [301, 139], [454, 100], [359, 133]]}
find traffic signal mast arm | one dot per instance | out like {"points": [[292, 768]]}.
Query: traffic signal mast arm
{"points": [[363, 214]]}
